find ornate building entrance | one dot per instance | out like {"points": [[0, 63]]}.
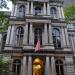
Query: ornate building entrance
{"points": [[38, 66]]}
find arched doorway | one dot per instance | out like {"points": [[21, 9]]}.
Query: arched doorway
{"points": [[38, 66]]}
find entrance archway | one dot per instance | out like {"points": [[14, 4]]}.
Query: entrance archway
{"points": [[37, 66]]}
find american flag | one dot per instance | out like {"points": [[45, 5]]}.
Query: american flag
{"points": [[37, 47]]}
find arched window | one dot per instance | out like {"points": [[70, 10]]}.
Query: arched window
{"points": [[4, 40], [53, 12], [22, 11], [37, 11], [19, 36], [56, 38], [16, 67], [59, 67], [38, 35]]}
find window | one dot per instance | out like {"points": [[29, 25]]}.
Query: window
{"points": [[59, 67], [16, 67], [19, 36], [22, 11], [38, 35], [56, 38], [74, 25], [53, 12], [4, 40], [37, 11]]}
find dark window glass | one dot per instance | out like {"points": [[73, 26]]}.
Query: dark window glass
{"points": [[4, 41], [56, 38], [74, 25], [19, 36], [38, 35], [16, 67], [59, 67], [37, 11]]}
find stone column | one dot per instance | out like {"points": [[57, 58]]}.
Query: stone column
{"points": [[50, 35], [12, 39], [45, 41], [31, 36], [0, 41], [8, 35], [62, 12], [59, 12], [47, 66], [24, 66], [72, 42], [31, 7], [53, 65], [66, 36], [48, 9], [11, 67], [25, 34], [15, 12], [27, 8], [29, 65], [63, 42], [44, 8]]}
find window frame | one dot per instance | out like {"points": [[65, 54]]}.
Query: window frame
{"points": [[56, 38], [59, 65], [19, 34], [38, 36]]}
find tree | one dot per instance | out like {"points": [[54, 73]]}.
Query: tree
{"points": [[4, 21], [70, 12], [3, 3], [3, 65]]}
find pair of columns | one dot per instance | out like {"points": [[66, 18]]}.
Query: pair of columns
{"points": [[29, 7], [64, 36], [60, 13], [44, 8], [31, 34], [49, 67], [10, 35], [47, 32]]}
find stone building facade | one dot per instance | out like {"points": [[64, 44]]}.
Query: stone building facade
{"points": [[43, 19]]}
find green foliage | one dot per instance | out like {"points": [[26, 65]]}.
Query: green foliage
{"points": [[3, 65], [3, 3], [70, 12], [4, 21]]}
